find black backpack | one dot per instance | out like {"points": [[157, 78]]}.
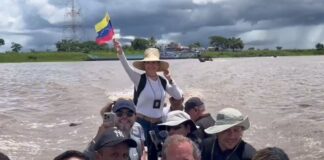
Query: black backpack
{"points": [[142, 84]]}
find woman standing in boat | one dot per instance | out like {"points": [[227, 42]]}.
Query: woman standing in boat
{"points": [[150, 90]]}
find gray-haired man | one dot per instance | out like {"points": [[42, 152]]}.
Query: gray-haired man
{"points": [[195, 107], [178, 147]]}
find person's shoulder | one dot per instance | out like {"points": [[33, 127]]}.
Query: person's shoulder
{"points": [[249, 150], [138, 125], [248, 146], [209, 140], [137, 130], [207, 147], [206, 121]]}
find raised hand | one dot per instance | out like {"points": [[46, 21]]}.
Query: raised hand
{"points": [[118, 47], [101, 130], [167, 74]]}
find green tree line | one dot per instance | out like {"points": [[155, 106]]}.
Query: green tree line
{"points": [[219, 43]]}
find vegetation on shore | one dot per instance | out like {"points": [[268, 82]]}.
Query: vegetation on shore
{"points": [[79, 56], [60, 56], [42, 57], [70, 50], [263, 53]]}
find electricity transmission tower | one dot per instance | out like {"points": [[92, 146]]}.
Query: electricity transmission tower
{"points": [[72, 29]]}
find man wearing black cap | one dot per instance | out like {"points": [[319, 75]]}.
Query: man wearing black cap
{"points": [[126, 115], [113, 145], [196, 109]]}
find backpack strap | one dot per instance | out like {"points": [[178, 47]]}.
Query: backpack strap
{"points": [[164, 82], [140, 88]]}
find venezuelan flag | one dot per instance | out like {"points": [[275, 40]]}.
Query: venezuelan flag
{"points": [[105, 30]]}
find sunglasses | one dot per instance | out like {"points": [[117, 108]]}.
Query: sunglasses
{"points": [[168, 128], [128, 113]]}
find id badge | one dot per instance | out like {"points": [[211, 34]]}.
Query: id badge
{"points": [[156, 104]]}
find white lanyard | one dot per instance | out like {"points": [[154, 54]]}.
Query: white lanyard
{"points": [[154, 90]]}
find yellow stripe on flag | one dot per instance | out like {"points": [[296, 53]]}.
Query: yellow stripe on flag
{"points": [[103, 23]]}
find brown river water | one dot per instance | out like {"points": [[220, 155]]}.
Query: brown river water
{"points": [[283, 96]]}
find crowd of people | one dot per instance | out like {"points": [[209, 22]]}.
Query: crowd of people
{"points": [[144, 128]]}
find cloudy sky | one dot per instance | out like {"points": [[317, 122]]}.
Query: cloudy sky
{"points": [[293, 24]]}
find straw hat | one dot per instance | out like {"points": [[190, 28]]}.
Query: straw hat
{"points": [[151, 55], [228, 118]]}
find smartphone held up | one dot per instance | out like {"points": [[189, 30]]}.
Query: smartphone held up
{"points": [[109, 119]]}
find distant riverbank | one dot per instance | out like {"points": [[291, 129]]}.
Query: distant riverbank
{"points": [[263, 53], [109, 55]]}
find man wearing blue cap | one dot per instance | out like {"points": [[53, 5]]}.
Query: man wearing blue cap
{"points": [[124, 119]]}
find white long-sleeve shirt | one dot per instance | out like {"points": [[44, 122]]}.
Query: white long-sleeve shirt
{"points": [[153, 90]]}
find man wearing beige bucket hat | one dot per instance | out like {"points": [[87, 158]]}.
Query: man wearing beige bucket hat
{"points": [[227, 142], [150, 89]]}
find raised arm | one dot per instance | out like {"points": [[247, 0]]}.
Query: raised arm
{"points": [[133, 75]]}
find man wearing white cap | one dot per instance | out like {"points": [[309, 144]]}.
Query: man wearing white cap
{"points": [[179, 123], [227, 144]]}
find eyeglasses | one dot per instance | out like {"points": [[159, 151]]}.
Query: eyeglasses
{"points": [[128, 113], [168, 128]]}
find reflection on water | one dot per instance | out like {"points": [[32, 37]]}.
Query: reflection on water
{"points": [[283, 96]]}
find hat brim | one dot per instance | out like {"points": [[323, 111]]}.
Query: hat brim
{"points": [[130, 142], [115, 109], [219, 128], [140, 64], [162, 126]]}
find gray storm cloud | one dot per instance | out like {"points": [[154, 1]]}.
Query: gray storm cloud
{"points": [[261, 24]]}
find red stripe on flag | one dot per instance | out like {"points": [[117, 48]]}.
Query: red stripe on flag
{"points": [[108, 37]]}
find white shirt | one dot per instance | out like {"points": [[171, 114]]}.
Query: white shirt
{"points": [[146, 99]]}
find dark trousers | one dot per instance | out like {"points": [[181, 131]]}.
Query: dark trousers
{"points": [[148, 126]]}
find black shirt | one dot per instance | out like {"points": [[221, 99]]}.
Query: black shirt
{"points": [[204, 122], [212, 151]]}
